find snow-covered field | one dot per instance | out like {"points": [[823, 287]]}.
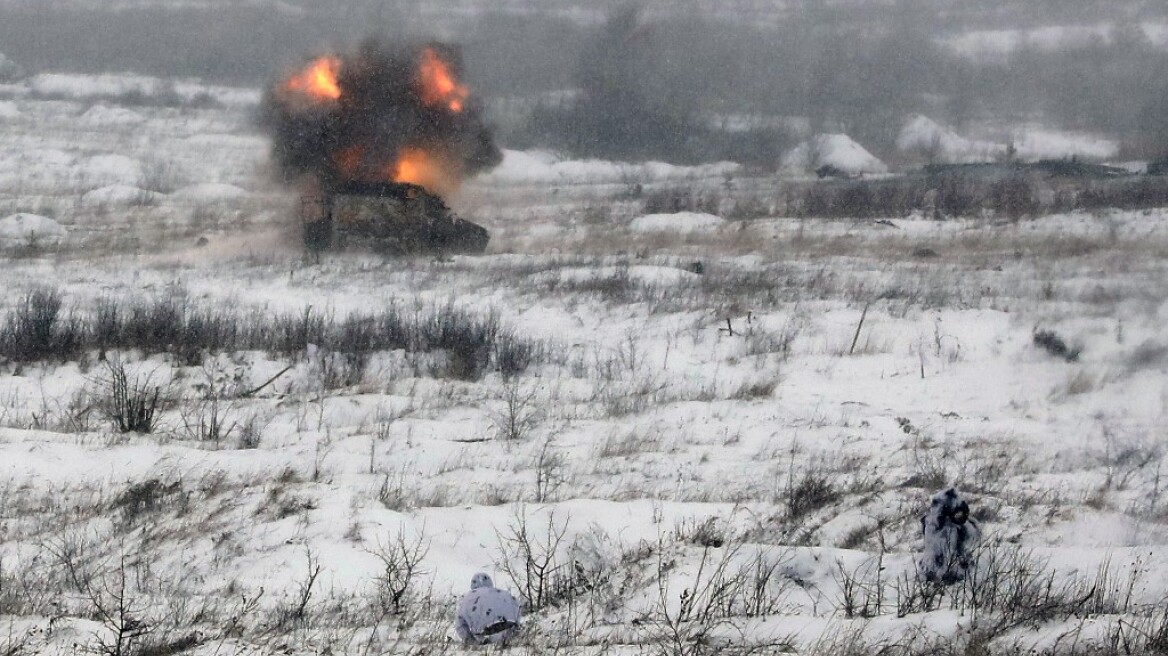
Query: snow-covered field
{"points": [[699, 435]]}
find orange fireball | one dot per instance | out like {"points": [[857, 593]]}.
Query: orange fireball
{"points": [[439, 87], [417, 166], [318, 81]]}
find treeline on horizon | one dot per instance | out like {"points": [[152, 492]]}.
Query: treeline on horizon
{"points": [[653, 84]]}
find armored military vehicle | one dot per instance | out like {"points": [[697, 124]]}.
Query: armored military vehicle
{"points": [[386, 217]]}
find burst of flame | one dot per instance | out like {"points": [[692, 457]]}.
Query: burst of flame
{"points": [[417, 166], [318, 81], [439, 87]]}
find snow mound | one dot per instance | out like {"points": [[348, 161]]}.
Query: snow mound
{"points": [[543, 167], [118, 195], [210, 191], [29, 229], [103, 115], [681, 222], [102, 170], [923, 136], [835, 150], [8, 110]]}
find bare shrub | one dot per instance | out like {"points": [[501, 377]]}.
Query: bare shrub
{"points": [[295, 609], [250, 433], [530, 556], [1125, 458], [708, 532], [862, 589], [514, 355], [703, 618], [519, 414], [394, 494], [1008, 587], [14, 598], [465, 338], [131, 403], [145, 498], [36, 330], [122, 615], [549, 471], [342, 370], [751, 390], [470, 342], [930, 462], [810, 492], [211, 417], [401, 570]]}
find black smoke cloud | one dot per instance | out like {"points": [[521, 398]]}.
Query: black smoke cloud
{"points": [[383, 110]]}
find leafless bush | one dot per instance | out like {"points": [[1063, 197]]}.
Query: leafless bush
{"points": [[342, 370], [549, 471], [708, 532], [401, 570], [1125, 459], [150, 496], [211, 418], [520, 413], [250, 433], [704, 618], [295, 609], [465, 338], [36, 330], [514, 355], [131, 403], [122, 615], [531, 558], [1008, 587], [471, 342], [862, 590], [930, 462], [113, 590], [757, 389], [392, 492], [14, 598], [808, 493], [16, 645]]}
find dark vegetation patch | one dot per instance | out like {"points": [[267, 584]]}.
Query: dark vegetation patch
{"points": [[1049, 341], [41, 329]]}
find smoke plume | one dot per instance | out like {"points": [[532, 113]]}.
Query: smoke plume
{"points": [[380, 114]]}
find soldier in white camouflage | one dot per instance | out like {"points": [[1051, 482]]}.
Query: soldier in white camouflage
{"points": [[950, 536]]}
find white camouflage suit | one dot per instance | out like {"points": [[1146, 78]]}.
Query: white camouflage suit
{"points": [[950, 536], [486, 615]]}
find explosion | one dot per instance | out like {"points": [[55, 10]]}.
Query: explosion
{"points": [[318, 82], [380, 114], [438, 85]]}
